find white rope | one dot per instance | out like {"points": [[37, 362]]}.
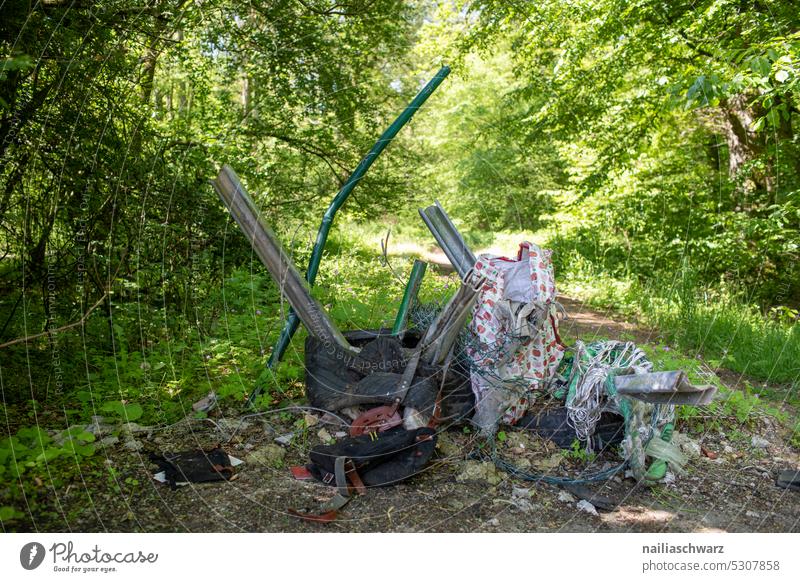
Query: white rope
{"points": [[587, 404]]}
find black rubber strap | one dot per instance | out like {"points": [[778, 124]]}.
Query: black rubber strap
{"points": [[340, 471]]}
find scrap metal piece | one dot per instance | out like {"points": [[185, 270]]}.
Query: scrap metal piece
{"points": [[269, 250], [670, 387], [380, 418], [410, 412], [409, 297], [448, 238], [408, 377], [443, 332]]}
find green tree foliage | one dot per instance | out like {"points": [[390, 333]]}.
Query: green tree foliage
{"points": [[652, 144], [113, 116], [487, 171], [677, 121], [645, 138]]}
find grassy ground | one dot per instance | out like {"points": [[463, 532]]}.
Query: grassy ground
{"points": [[734, 491], [164, 360]]}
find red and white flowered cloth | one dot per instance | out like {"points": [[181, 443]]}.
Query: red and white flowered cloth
{"points": [[515, 343]]}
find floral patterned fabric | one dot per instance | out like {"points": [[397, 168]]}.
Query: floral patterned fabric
{"points": [[515, 347]]}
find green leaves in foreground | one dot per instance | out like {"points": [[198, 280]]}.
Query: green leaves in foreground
{"points": [[126, 412], [8, 513], [32, 447]]}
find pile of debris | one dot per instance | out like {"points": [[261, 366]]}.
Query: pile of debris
{"points": [[490, 356]]}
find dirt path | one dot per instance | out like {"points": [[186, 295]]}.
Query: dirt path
{"points": [[734, 492]]}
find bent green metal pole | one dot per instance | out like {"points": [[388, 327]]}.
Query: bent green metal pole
{"points": [[409, 297], [384, 140]]}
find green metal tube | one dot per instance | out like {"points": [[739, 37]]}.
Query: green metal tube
{"points": [[384, 140], [409, 296], [364, 165]]}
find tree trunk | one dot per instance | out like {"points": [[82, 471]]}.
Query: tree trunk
{"points": [[745, 145]]}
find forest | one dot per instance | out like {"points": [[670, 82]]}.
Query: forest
{"points": [[653, 146]]}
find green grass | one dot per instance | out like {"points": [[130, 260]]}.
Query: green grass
{"points": [[721, 326], [165, 359]]}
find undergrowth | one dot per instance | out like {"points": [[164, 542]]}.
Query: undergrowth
{"points": [[718, 324], [153, 362]]}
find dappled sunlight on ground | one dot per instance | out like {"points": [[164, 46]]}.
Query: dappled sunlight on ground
{"points": [[628, 515], [504, 244]]}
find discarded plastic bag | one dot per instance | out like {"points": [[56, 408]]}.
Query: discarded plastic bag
{"points": [[516, 347]]}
